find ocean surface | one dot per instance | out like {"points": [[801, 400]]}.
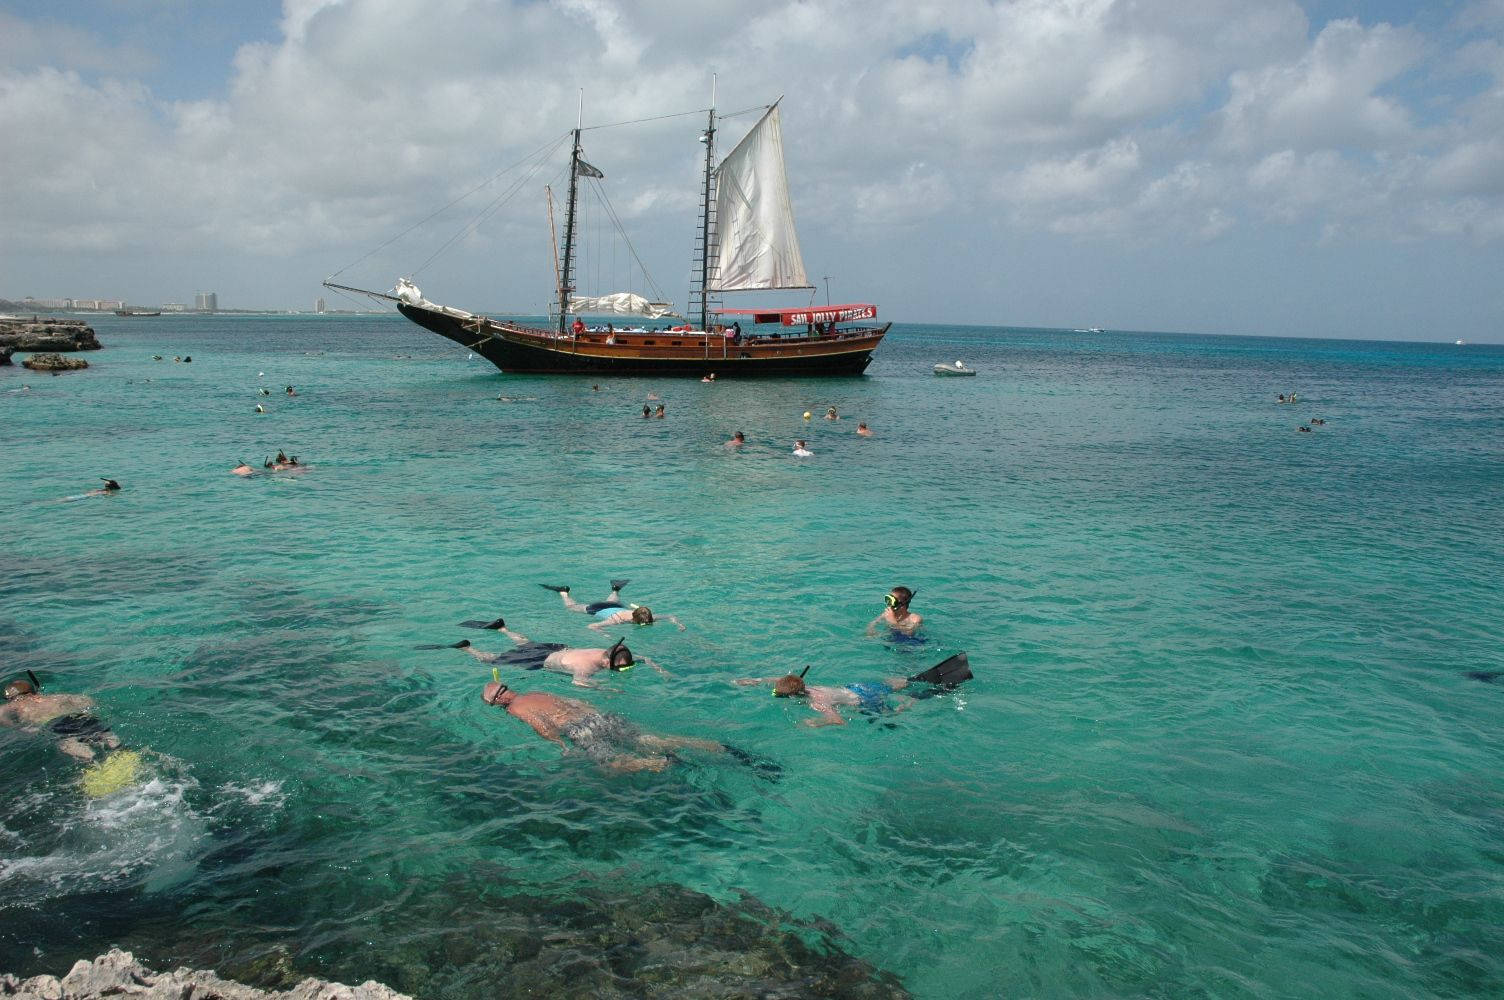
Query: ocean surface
{"points": [[1233, 730]]}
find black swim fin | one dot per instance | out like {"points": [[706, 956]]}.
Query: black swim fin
{"points": [[557, 590], [497, 625], [947, 673], [762, 766], [1486, 676], [462, 644], [618, 584]]}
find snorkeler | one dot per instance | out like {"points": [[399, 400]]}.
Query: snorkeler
{"points": [[897, 615], [243, 469], [612, 611], [871, 697], [863, 430], [801, 451], [109, 488], [608, 739], [737, 440], [581, 664], [71, 717]]}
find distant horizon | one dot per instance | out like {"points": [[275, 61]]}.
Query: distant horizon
{"points": [[524, 314]]}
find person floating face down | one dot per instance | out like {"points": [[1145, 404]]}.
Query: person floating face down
{"points": [[612, 612], [68, 716], [609, 740], [581, 664], [866, 696], [897, 615]]}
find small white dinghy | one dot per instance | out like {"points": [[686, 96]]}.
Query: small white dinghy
{"points": [[956, 369]]}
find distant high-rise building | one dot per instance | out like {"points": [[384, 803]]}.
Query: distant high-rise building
{"points": [[206, 302], [318, 306]]}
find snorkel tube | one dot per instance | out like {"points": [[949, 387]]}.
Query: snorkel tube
{"points": [[36, 685]]}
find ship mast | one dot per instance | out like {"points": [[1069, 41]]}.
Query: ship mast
{"points": [[706, 208], [566, 282]]}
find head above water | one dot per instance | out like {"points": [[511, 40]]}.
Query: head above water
{"points": [[497, 693], [110, 484], [642, 615], [791, 685], [898, 597], [23, 686], [619, 657]]}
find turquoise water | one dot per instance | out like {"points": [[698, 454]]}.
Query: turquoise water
{"points": [[1222, 739]]}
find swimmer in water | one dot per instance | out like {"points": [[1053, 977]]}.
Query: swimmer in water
{"points": [[607, 739], [897, 615], [737, 440], [647, 411], [869, 697], [831, 414], [863, 431], [110, 488], [659, 412], [709, 378], [290, 391], [612, 612], [68, 716], [243, 470], [581, 664], [800, 451]]}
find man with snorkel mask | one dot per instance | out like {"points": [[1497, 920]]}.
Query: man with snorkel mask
{"points": [[870, 697], [581, 664], [897, 615], [69, 717]]}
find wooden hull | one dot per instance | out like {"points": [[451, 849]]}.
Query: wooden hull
{"points": [[519, 349]]}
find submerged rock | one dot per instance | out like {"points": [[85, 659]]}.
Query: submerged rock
{"points": [[54, 363], [118, 974], [47, 335]]}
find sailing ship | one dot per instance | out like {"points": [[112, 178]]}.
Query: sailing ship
{"points": [[746, 242]]}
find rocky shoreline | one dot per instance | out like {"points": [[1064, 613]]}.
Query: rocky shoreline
{"points": [[57, 335], [118, 974]]}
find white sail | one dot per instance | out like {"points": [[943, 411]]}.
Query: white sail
{"points": [[759, 247], [620, 304]]}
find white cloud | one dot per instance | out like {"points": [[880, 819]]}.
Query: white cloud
{"points": [[1328, 97], [1115, 121]]}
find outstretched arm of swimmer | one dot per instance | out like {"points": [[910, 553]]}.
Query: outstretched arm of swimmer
{"points": [[671, 618], [649, 662], [872, 626], [749, 681]]}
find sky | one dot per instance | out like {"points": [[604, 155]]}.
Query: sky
{"points": [[1266, 167]]}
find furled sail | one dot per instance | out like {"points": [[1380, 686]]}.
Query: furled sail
{"points": [[620, 304], [759, 247]]}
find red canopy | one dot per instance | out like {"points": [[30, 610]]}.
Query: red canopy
{"points": [[808, 314]]}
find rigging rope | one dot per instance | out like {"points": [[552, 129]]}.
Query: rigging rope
{"points": [[541, 154]]}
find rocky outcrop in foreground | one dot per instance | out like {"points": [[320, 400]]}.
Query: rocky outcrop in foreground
{"points": [[54, 363], [47, 335], [118, 974]]}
